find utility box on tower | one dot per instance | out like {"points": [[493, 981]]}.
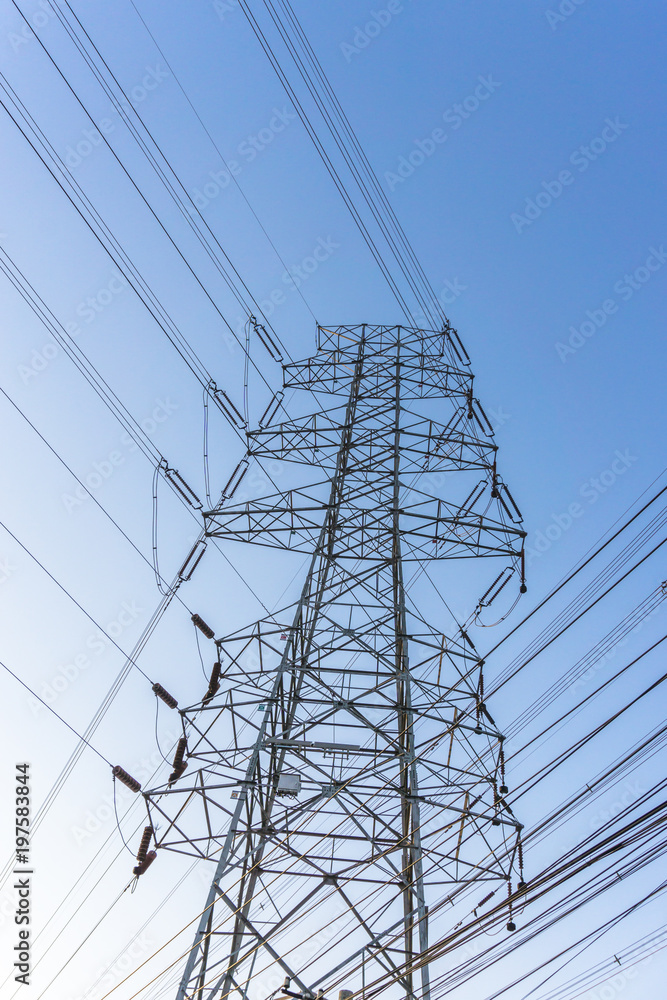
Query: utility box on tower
{"points": [[289, 784]]}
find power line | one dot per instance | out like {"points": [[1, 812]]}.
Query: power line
{"points": [[331, 170], [366, 179], [74, 600], [219, 152], [579, 568], [84, 487], [53, 712], [510, 673], [163, 169]]}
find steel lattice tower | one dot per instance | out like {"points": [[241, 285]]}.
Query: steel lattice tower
{"points": [[344, 774]]}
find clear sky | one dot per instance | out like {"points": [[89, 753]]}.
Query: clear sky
{"points": [[521, 145]]}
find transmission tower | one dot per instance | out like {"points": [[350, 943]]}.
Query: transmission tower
{"points": [[344, 775]]}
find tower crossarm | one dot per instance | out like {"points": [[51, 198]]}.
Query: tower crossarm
{"points": [[426, 444], [432, 528]]}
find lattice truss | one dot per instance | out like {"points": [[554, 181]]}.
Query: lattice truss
{"points": [[344, 774]]}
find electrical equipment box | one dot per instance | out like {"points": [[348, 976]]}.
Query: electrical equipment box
{"points": [[289, 784]]}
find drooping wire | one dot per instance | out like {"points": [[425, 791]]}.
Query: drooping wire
{"points": [[246, 362], [157, 738], [207, 478], [115, 810], [84, 487], [154, 531], [201, 658], [594, 655]]}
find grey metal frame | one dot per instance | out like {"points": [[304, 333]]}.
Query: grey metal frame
{"points": [[413, 802]]}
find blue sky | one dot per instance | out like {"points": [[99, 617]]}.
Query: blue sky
{"points": [[521, 146]]}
